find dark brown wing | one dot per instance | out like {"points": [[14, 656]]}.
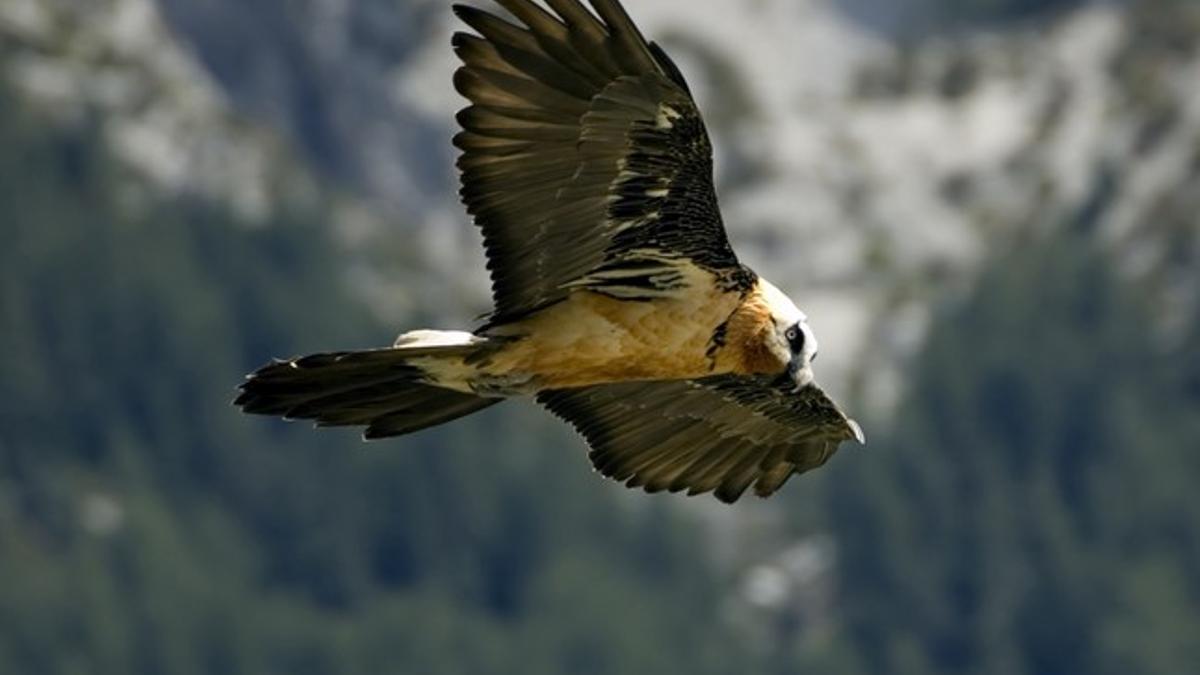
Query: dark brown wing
{"points": [[584, 159], [720, 434]]}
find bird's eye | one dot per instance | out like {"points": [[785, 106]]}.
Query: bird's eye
{"points": [[795, 338]]}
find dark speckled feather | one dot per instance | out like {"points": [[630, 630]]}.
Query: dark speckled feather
{"points": [[581, 147], [721, 434]]}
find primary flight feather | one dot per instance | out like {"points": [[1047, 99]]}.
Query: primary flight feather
{"points": [[619, 303]]}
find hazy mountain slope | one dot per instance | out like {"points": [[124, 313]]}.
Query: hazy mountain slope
{"points": [[315, 69], [113, 64], [869, 178], [117, 66], [866, 177]]}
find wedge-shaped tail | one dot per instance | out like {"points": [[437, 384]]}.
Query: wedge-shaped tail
{"points": [[383, 390]]}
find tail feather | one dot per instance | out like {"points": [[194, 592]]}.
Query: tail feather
{"points": [[433, 407], [380, 389]]}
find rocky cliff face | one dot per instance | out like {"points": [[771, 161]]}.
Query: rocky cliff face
{"points": [[184, 132], [113, 64]]}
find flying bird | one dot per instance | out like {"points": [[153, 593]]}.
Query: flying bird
{"points": [[618, 301]]}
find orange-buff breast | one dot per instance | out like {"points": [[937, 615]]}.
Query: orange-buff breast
{"points": [[594, 339]]}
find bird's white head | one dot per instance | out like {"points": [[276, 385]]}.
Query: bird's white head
{"points": [[793, 337]]}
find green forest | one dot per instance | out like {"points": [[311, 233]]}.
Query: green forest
{"points": [[1031, 509]]}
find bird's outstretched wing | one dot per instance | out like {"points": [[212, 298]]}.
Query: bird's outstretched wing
{"points": [[720, 434], [584, 158]]}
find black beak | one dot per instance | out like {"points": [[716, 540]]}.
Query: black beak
{"points": [[793, 372], [793, 367]]}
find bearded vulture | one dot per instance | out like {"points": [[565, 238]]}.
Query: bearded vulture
{"points": [[619, 303]]}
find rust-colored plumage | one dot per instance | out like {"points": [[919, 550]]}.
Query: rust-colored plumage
{"points": [[751, 328]]}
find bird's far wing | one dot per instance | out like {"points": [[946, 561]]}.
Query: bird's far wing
{"points": [[584, 158], [720, 434]]}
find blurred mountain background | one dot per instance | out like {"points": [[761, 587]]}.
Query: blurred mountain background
{"points": [[990, 210]]}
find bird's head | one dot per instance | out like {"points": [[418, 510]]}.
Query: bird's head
{"points": [[794, 341]]}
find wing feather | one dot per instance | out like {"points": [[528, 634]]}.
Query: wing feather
{"points": [[722, 434], [774, 478], [631, 47], [739, 478], [581, 144]]}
